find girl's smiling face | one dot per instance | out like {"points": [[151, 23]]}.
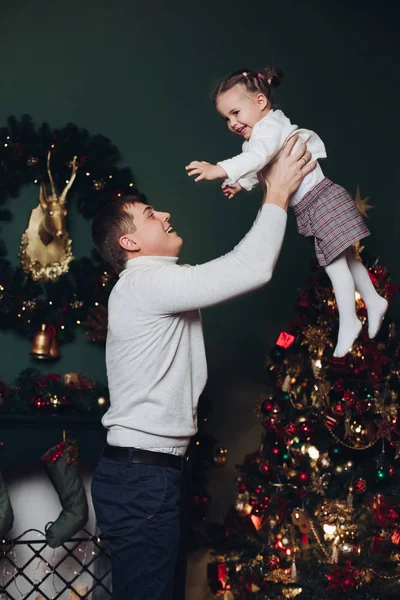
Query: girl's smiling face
{"points": [[242, 110]]}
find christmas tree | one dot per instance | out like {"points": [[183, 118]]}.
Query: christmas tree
{"points": [[317, 510]]}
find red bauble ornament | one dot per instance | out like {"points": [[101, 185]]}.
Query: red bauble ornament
{"points": [[265, 468], [360, 486], [338, 409], [304, 478], [272, 562]]}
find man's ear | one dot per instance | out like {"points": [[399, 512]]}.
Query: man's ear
{"points": [[127, 243]]}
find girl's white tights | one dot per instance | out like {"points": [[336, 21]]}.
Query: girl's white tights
{"points": [[346, 274]]}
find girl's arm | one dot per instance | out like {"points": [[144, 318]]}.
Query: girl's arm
{"points": [[265, 143], [173, 288], [257, 155]]}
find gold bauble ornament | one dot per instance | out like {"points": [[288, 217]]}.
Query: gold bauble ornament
{"points": [[332, 511], [357, 433]]}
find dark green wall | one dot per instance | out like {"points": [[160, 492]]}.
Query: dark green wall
{"points": [[140, 73]]}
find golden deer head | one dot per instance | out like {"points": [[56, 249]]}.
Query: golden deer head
{"points": [[53, 206], [45, 249]]}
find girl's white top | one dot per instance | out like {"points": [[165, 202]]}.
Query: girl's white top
{"points": [[155, 356], [268, 138]]}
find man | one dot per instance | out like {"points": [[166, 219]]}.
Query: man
{"points": [[156, 369]]}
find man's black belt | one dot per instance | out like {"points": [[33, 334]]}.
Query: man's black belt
{"points": [[145, 457]]}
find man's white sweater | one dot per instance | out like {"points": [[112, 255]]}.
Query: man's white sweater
{"points": [[155, 356]]}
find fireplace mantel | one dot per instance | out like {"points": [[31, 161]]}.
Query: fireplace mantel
{"points": [[26, 438]]}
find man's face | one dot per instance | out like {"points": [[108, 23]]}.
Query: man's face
{"points": [[154, 236], [241, 110]]}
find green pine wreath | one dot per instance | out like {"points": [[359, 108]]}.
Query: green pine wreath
{"points": [[79, 297]]}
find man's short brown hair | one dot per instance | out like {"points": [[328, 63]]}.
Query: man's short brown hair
{"points": [[111, 222]]}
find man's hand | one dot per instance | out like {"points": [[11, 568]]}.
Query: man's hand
{"points": [[230, 190], [284, 176], [205, 170]]}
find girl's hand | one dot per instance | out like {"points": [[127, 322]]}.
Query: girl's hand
{"points": [[230, 190], [205, 170]]}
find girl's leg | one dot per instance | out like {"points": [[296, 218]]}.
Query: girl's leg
{"points": [[343, 285], [376, 305]]}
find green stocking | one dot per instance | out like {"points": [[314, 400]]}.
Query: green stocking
{"points": [[6, 512], [61, 467]]}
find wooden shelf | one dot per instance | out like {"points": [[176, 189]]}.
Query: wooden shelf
{"points": [[27, 437]]}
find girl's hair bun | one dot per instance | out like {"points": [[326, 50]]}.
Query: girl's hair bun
{"points": [[273, 76]]}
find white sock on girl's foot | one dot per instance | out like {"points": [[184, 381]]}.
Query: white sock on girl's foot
{"points": [[376, 305], [343, 285]]}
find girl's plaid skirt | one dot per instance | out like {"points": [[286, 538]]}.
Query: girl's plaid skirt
{"points": [[330, 215]]}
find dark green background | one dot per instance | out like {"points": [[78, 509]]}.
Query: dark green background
{"points": [[140, 73]]}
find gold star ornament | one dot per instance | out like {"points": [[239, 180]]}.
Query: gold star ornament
{"points": [[362, 203]]}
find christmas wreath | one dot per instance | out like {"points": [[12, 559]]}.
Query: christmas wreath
{"points": [[79, 296]]}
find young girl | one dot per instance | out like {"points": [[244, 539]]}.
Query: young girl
{"points": [[323, 209]]}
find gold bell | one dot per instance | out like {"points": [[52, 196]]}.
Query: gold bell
{"points": [[44, 345], [41, 343]]}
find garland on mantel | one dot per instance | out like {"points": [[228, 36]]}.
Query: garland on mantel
{"points": [[35, 393]]}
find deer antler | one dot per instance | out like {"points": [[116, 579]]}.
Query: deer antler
{"points": [[70, 182], [53, 189]]}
